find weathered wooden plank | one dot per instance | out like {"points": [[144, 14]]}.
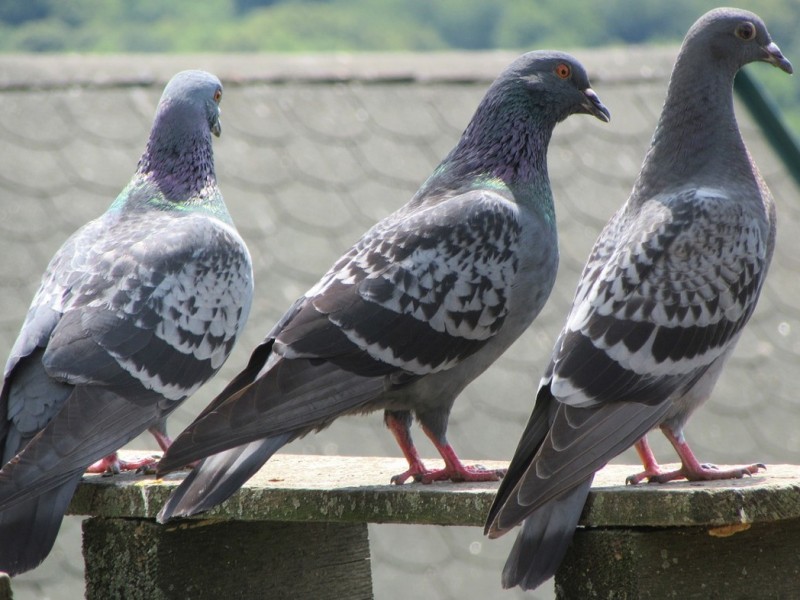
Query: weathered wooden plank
{"points": [[356, 489], [761, 560], [136, 559], [303, 515]]}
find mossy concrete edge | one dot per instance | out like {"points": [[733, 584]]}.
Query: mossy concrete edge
{"points": [[353, 489]]}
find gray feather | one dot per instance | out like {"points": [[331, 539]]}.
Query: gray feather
{"points": [[541, 545], [219, 476]]}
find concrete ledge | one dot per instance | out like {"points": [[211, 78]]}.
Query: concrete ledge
{"points": [[303, 514], [304, 488], [356, 489], [772, 495]]}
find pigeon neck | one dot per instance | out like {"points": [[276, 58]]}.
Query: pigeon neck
{"points": [[179, 158], [697, 131], [506, 141]]}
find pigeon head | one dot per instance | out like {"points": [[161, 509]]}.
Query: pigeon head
{"points": [[555, 82], [179, 158], [508, 136], [734, 38], [190, 98], [697, 138]]}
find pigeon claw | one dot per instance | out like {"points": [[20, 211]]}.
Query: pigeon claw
{"points": [[691, 468], [464, 473], [453, 470], [114, 465], [704, 472], [459, 474], [416, 470], [637, 478], [656, 475], [709, 473], [401, 478]]}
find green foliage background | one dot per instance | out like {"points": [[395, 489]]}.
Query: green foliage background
{"points": [[107, 26]]}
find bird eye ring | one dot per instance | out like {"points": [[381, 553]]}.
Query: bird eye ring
{"points": [[218, 96], [746, 31], [563, 71]]}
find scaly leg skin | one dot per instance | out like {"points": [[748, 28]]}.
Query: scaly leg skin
{"points": [[651, 466], [455, 470], [691, 468], [398, 424], [113, 465], [159, 433], [161, 437]]}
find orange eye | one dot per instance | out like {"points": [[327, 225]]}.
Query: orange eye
{"points": [[218, 96], [563, 70], [746, 31]]}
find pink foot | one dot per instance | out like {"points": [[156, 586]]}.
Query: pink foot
{"points": [[113, 465], [706, 473], [453, 470], [460, 473], [651, 466], [457, 473], [399, 428], [703, 472], [691, 469], [416, 471], [642, 476]]}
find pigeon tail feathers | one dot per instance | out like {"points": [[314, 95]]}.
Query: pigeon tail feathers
{"points": [[33, 527], [294, 397], [217, 477], [545, 537]]}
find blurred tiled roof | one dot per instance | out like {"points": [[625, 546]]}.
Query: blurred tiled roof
{"points": [[314, 150]]}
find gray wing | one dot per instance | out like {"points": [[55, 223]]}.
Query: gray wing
{"points": [[663, 296], [146, 308], [37, 397], [419, 293], [162, 297], [665, 292]]}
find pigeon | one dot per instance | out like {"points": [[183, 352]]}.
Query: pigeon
{"points": [[135, 312], [422, 304], [669, 285]]}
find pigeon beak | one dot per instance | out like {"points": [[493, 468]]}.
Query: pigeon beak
{"points": [[594, 107], [216, 127], [774, 56]]}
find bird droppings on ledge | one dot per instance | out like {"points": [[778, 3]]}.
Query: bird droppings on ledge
{"points": [[357, 489]]}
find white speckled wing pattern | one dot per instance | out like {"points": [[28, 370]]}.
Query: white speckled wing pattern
{"points": [[664, 292], [419, 292], [163, 294]]}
